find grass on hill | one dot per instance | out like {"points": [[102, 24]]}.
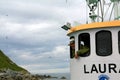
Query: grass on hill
{"points": [[7, 63]]}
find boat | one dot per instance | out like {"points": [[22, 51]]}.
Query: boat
{"points": [[100, 39]]}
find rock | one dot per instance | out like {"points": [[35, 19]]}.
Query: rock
{"points": [[63, 77]]}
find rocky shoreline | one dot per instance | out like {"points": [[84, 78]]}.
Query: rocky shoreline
{"points": [[8, 74], [16, 75]]}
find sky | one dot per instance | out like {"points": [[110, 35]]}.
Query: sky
{"points": [[31, 33]]}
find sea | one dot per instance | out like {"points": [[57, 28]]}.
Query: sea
{"points": [[58, 75]]}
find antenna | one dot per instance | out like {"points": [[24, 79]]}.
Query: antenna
{"points": [[102, 10], [116, 9], [92, 4]]}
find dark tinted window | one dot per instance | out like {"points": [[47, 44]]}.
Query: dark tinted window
{"points": [[84, 44], [119, 41], [103, 43]]}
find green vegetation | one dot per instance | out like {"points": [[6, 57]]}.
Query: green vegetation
{"points": [[6, 63]]}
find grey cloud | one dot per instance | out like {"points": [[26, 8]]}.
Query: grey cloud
{"points": [[26, 12], [47, 60], [49, 36], [31, 33]]}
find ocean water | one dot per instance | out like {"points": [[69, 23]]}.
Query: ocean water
{"points": [[59, 75]]}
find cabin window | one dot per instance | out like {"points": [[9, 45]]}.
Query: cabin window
{"points": [[103, 43], [119, 41], [72, 47], [84, 45]]}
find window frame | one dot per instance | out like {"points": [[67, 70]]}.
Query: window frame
{"points": [[71, 55], [88, 42]]}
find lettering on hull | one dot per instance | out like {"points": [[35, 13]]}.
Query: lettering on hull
{"points": [[101, 68]]}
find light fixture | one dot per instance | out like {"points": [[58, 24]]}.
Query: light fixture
{"points": [[67, 26]]}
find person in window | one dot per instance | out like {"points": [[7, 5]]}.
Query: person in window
{"points": [[72, 46], [84, 50]]}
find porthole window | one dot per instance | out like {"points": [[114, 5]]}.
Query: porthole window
{"points": [[72, 47], [103, 43], [84, 45]]}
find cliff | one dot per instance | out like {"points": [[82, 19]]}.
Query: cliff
{"points": [[7, 63]]}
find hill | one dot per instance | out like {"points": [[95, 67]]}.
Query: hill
{"points": [[7, 63]]}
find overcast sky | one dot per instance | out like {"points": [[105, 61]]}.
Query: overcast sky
{"points": [[31, 36]]}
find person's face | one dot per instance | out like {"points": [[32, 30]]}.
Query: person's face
{"points": [[72, 45]]}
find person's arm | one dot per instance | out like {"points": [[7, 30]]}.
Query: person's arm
{"points": [[83, 51]]}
